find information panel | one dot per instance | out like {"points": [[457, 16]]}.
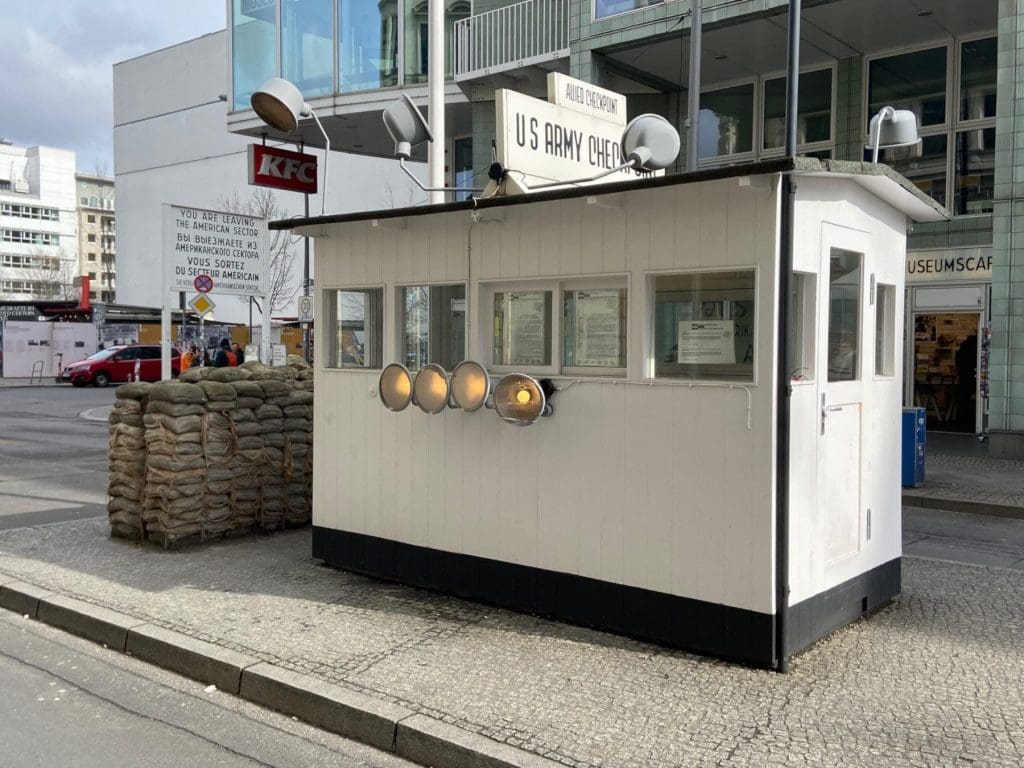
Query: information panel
{"points": [[707, 341], [228, 247]]}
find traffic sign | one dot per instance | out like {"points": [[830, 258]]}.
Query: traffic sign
{"points": [[202, 304], [305, 309], [203, 283]]}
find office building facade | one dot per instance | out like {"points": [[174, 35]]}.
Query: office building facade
{"points": [[97, 235]]}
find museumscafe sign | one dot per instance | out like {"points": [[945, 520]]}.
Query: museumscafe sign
{"points": [[230, 248], [948, 266], [282, 169]]}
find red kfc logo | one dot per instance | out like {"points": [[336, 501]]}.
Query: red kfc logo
{"points": [[281, 168]]}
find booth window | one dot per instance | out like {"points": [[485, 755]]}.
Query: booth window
{"points": [[704, 325], [594, 330], [433, 325], [522, 328], [844, 315], [357, 317], [885, 330]]}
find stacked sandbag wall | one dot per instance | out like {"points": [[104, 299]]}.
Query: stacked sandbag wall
{"points": [[218, 451]]}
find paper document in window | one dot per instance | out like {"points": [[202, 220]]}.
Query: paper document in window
{"points": [[598, 340], [706, 341]]}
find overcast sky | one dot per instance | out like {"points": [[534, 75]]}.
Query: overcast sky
{"points": [[56, 58]]}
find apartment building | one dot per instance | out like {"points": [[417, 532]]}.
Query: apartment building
{"points": [[97, 236]]}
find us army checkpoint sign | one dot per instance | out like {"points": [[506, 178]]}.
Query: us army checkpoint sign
{"points": [[229, 247]]}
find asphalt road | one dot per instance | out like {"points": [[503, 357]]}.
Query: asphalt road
{"points": [[53, 462], [67, 701]]}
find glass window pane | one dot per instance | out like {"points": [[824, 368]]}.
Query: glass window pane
{"points": [[843, 315], [885, 330], [367, 45], [975, 174], [416, 37], [726, 121], [433, 325], [594, 329], [801, 326], [358, 322], [923, 164], [605, 8], [704, 325], [522, 328], [914, 81], [254, 51], [307, 46], [978, 79], [814, 122]]}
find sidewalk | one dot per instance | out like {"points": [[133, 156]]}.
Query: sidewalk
{"points": [[961, 477], [46, 381]]}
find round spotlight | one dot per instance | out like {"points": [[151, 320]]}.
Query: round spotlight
{"points": [[430, 390], [470, 385], [279, 104], [395, 387], [519, 399]]}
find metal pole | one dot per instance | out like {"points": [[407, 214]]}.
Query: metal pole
{"points": [[693, 88], [305, 287], [181, 306], [435, 87], [782, 374]]}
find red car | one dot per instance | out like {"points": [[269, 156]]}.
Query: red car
{"points": [[118, 364]]}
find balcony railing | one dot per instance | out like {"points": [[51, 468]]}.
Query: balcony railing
{"points": [[511, 37]]}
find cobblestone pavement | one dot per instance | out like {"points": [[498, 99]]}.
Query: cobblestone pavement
{"points": [[973, 478], [936, 679]]}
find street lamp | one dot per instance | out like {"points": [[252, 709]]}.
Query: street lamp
{"points": [[892, 128]]}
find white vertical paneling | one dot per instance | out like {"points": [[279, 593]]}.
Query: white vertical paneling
{"points": [[549, 239], [662, 445], [488, 244], [711, 477], [404, 268], [592, 240], [527, 493], [636, 510], [345, 257], [612, 458], [437, 254], [355, 491], [685, 221], [530, 240], [636, 226], [388, 475], [508, 493], [740, 519], [475, 496], [420, 458], [591, 481], [434, 500], [372, 504], [419, 250], [451, 473], [374, 255], [508, 236], [615, 242], [569, 234], [741, 207], [490, 500], [663, 233], [686, 439], [714, 222], [358, 255], [457, 230], [549, 457], [571, 460], [405, 472]]}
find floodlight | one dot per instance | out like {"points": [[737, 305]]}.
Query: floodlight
{"points": [[430, 390], [651, 142], [521, 399], [892, 128], [470, 385], [395, 387], [279, 104]]}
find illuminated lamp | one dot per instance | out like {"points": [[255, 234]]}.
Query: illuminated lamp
{"points": [[521, 400], [395, 387], [430, 390], [470, 386]]}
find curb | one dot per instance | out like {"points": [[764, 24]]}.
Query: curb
{"points": [[357, 716], [964, 506]]}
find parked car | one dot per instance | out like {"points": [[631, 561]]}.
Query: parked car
{"points": [[117, 364]]}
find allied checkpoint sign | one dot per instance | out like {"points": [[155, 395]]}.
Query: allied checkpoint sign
{"points": [[230, 248]]}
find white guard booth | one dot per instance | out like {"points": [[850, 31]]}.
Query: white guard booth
{"points": [[646, 500]]}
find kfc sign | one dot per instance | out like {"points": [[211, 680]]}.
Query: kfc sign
{"points": [[281, 168]]}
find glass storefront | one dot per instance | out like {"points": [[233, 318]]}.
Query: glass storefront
{"points": [[307, 57], [367, 44], [945, 365], [254, 47]]}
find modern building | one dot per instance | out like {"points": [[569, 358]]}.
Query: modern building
{"points": [[958, 66], [170, 147], [97, 238], [38, 248]]}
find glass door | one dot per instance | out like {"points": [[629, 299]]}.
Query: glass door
{"points": [[946, 352]]}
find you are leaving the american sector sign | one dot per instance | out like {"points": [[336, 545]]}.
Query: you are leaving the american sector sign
{"points": [[229, 247]]}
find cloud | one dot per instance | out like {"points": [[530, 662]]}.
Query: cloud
{"points": [[57, 62]]}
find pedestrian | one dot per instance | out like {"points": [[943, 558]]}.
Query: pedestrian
{"points": [[190, 358], [239, 352], [225, 357]]}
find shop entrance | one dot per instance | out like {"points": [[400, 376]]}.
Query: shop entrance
{"points": [[945, 369]]}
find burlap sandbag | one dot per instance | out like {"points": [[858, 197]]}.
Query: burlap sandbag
{"points": [[273, 387], [124, 419], [274, 439], [268, 412], [247, 428], [171, 464], [296, 425], [137, 390], [217, 390], [176, 409], [297, 361], [247, 389], [177, 424], [300, 397], [228, 374], [249, 403], [177, 392]]}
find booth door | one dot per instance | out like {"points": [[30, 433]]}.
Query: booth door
{"points": [[842, 367]]}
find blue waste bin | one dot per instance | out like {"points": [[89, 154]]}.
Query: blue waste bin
{"points": [[913, 446]]}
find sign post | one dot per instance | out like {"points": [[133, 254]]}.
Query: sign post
{"points": [[203, 248]]}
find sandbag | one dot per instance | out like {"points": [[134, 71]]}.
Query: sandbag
{"points": [[136, 390], [229, 374], [175, 409], [177, 392]]}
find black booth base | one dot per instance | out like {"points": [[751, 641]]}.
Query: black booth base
{"points": [[680, 622]]}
